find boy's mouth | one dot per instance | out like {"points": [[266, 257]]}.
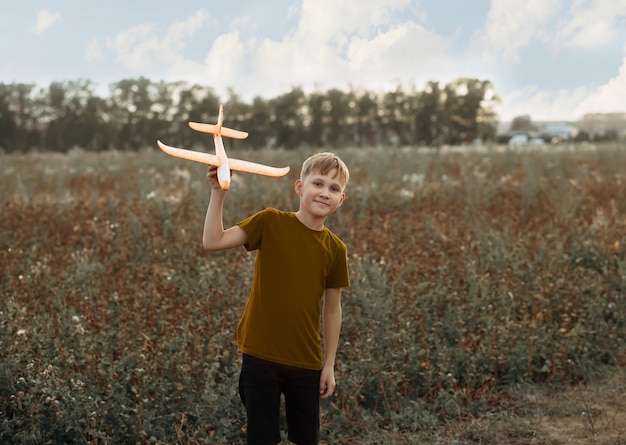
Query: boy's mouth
{"points": [[322, 203]]}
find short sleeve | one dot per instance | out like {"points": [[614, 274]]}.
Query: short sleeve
{"points": [[339, 275], [253, 226]]}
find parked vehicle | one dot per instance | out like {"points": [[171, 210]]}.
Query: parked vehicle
{"points": [[518, 140]]}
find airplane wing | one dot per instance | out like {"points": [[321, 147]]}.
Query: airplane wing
{"points": [[196, 156], [234, 164], [259, 169], [215, 129]]}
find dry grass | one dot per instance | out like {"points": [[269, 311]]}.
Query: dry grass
{"points": [[585, 414], [487, 303]]}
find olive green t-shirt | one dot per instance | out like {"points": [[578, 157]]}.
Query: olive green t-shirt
{"points": [[294, 266]]}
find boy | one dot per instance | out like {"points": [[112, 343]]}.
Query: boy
{"points": [[299, 264]]}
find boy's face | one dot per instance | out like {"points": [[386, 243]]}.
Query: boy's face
{"points": [[320, 195]]}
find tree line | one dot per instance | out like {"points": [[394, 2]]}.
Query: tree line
{"points": [[136, 112]]}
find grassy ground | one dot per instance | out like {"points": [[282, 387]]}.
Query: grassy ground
{"points": [[487, 305], [585, 414]]}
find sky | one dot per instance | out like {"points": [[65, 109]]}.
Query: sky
{"points": [[550, 59]]}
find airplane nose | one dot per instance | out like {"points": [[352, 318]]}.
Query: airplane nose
{"points": [[223, 175]]}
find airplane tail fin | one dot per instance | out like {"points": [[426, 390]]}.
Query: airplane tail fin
{"points": [[218, 130]]}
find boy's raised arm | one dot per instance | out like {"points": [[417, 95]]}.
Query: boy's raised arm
{"points": [[214, 237]]}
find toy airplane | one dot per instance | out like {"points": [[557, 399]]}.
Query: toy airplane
{"points": [[219, 159]]}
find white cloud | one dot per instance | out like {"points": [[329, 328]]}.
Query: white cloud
{"points": [[405, 52], [45, 19], [136, 48], [542, 105], [567, 104], [336, 43], [282, 65], [590, 23], [94, 52], [189, 71], [175, 39], [226, 61], [330, 20], [513, 24], [140, 48], [610, 97]]}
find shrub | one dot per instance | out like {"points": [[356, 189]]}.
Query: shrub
{"points": [[471, 273]]}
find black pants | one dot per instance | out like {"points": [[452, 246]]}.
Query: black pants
{"points": [[261, 384]]}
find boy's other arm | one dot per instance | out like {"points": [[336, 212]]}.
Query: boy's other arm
{"points": [[214, 237], [331, 322]]}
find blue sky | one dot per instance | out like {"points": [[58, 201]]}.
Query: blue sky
{"points": [[551, 59]]}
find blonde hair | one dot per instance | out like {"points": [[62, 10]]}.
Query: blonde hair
{"points": [[323, 163]]}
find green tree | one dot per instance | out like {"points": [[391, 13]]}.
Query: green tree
{"points": [[8, 124], [139, 111], [287, 119], [137, 106], [316, 119], [339, 118], [428, 117], [468, 109], [522, 124], [393, 118], [367, 119], [19, 104], [75, 117], [195, 103], [259, 123]]}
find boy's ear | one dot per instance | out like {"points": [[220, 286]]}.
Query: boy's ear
{"points": [[298, 186]]}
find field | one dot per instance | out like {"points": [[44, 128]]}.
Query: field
{"points": [[487, 306]]}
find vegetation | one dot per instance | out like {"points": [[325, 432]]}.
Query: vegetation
{"points": [[138, 111], [479, 280]]}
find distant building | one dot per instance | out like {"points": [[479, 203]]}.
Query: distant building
{"points": [[594, 126], [553, 132], [603, 125], [558, 130]]}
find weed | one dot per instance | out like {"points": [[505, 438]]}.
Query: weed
{"points": [[473, 275]]}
